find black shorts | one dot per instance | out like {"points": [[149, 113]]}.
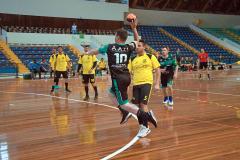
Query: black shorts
{"points": [[203, 65], [103, 69], [141, 93], [119, 88], [86, 78], [59, 73], [166, 79]]}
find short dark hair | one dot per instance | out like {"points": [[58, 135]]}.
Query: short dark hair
{"points": [[165, 47], [59, 47], [84, 46], [122, 34], [142, 41]]}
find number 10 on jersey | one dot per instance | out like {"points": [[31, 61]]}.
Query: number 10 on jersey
{"points": [[120, 58]]}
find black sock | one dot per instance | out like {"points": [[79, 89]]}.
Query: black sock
{"points": [[56, 81], [66, 86], [208, 76], [96, 91], [86, 90], [142, 118]]}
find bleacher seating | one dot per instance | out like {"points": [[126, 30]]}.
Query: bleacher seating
{"points": [[29, 53], [6, 66], [231, 34], [153, 37], [188, 36], [23, 29]]}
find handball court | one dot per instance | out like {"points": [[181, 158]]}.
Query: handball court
{"points": [[204, 123]]}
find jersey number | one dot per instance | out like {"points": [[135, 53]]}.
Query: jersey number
{"points": [[120, 58]]}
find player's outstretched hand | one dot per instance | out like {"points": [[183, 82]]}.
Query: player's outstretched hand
{"points": [[133, 24]]}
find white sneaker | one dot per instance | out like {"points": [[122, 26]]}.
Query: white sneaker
{"points": [[143, 131], [170, 103], [165, 101]]}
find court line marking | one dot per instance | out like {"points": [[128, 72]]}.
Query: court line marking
{"points": [[128, 145], [183, 79], [225, 94], [134, 140]]}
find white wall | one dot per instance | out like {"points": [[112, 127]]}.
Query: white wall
{"points": [[150, 17], [41, 38], [37, 38], [65, 8]]}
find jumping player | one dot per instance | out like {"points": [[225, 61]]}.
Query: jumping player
{"points": [[118, 57]]}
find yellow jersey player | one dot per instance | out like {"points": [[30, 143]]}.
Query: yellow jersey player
{"points": [[142, 66], [102, 66], [88, 64], [61, 63]]}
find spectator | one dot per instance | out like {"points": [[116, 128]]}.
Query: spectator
{"points": [[74, 28], [34, 68], [44, 67]]}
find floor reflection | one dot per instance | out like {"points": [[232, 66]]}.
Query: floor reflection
{"points": [[4, 155]]}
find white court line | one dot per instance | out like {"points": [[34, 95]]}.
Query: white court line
{"points": [[225, 94], [183, 79], [132, 142]]}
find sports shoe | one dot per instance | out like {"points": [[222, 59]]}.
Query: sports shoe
{"points": [[86, 98], [143, 131], [96, 97], [152, 119], [125, 115], [67, 90], [170, 101], [165, 101]]}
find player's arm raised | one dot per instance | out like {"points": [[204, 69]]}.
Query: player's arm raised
{"points": [[133, 25]]}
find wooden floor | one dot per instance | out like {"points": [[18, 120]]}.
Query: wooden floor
{"points": [[204, 124]]}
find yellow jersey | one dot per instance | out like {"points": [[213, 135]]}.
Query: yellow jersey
{"points": [[79, 60], [87, 62], [142, 68], [51, 60], [61, 61], [102, 64]]}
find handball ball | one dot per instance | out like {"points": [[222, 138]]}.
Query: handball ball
{"points": [[131, 17]]}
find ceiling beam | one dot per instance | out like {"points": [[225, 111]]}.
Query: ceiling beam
{"points": [[156, 3], [206, 6], [178, 4], [145, 3], [134, 3], [220, 4], [231, 6], [149, 5], [165, 5]]}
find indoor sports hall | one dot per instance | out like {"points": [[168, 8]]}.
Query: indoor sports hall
{"points": [[65, 93]]}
